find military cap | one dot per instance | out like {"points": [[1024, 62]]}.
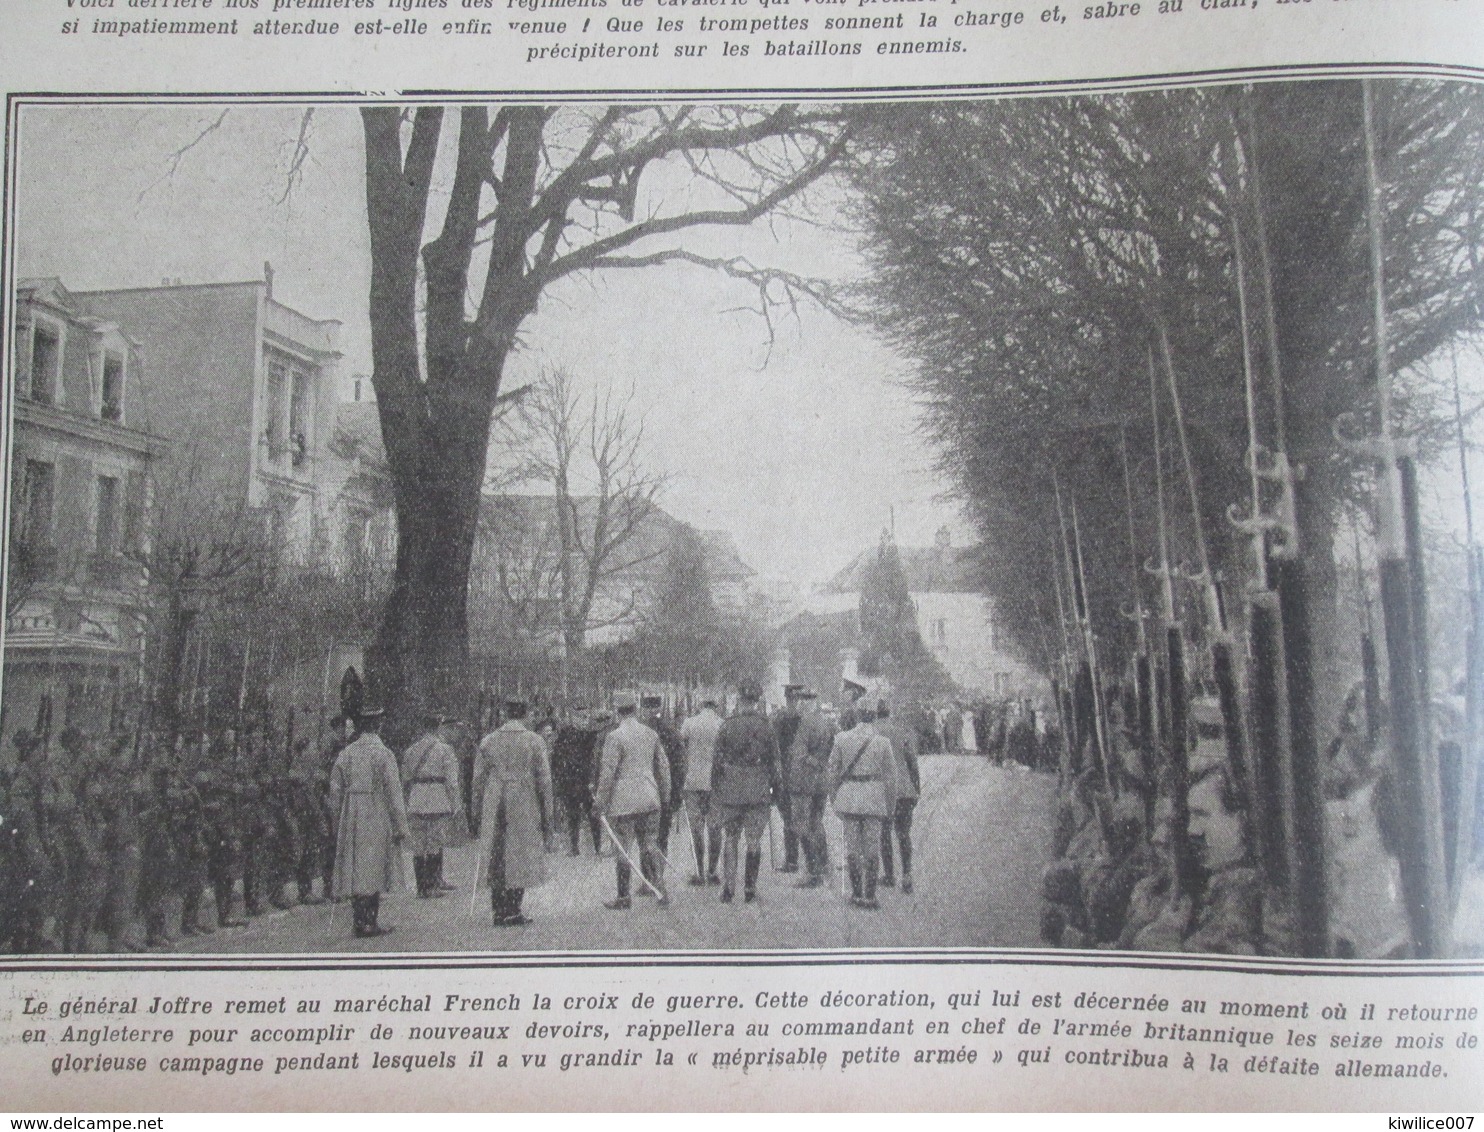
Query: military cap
{"points": [[650, 700], [794, 691], [370, 710], [852, 688], [622, 700], [602, 719], [750, 692]]}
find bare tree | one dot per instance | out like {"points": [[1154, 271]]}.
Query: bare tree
{"points": [[204, 545], [574, 563], [538, 194]]}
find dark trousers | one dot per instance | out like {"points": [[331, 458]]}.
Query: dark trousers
{"points": [[901, 825], [577, 808], [790, 834]]}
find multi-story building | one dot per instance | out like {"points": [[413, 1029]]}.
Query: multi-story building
{"points": [[83, 451], [247, 391]]}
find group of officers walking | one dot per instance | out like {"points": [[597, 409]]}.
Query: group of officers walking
{"points": [[88, 842], [627, 777]]}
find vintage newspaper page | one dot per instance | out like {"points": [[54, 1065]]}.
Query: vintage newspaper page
{"points": [[799, 554]]}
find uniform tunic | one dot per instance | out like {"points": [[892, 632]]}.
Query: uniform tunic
{"points": [[863, 773], [366, 797], [512, 782], [634, 777], [746, 765], [435, 804], [699, 734], [810, 758]]}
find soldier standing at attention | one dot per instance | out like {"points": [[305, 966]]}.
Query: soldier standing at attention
{"points": [[807, 787], [674, 748], [572, 757], [786, 725], [862, 777], [633, 783], [744, 782], [370, 823], [430, 777], [512, 791], [903, 742], [698, 733]]}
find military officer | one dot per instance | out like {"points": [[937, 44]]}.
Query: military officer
{"points": [[786, 725], [903, 740], [652, 708], [430, 777], [744, 781], [512, 788], [633, 784], [698, 733], [573, 754], [863, 788], [370, 823], [807, 786]]}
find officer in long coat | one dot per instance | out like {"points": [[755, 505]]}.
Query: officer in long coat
{"points": [[898, 825], [744, 781], [863, 788], [807, 786], [435, 799], [633, 783], [698, 733], [370, 823], [512, 788], [786, 726]]}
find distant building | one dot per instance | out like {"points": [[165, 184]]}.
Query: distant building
{"points": [[83, 451], [247, 390], [954, 617]]}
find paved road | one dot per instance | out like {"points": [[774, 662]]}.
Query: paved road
{"points": [[982, 836]]}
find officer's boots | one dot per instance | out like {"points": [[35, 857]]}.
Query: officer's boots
{"points": [[435, 873], [698, 847], [624, 877], [713, 857], [753, 864], [868, 884], [420, 875], [907, 868], [853, 867]]}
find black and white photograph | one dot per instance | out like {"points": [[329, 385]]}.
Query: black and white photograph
{"points": [[518, 524]]}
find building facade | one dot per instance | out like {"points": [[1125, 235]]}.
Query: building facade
{"points": [[83, 454], [955, 619]]}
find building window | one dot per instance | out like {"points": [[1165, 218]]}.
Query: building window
{"points": [[289, 411], [299, 413], [111, 403], [40, 487], [46, 357], [106, 527]]}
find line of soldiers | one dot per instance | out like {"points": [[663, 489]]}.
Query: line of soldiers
{"points": [[99, 841]]}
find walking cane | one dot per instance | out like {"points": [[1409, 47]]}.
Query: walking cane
{"points": [[690, 836], [772, 853], [474, 882], [619, 849]]}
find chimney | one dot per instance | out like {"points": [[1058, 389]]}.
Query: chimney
{"points": [[268, 278]]}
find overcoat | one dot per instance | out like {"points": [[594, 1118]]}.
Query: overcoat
{"points": [[366, 798], [863, 773], [512, 782]]}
